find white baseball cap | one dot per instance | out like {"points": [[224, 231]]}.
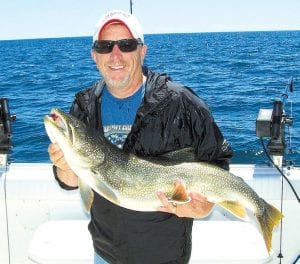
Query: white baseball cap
{"points": [[119, 16]]}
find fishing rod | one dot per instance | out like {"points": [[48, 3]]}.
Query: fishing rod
{"points": [[271, 123], [5, 130], [5, 149], [130, 6]]}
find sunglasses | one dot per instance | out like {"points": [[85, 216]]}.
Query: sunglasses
{"points": [[125, 45]]}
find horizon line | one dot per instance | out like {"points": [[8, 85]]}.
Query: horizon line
{"points": [[155, 33]]}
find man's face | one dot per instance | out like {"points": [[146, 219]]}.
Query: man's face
{"points": [[122, 71]]}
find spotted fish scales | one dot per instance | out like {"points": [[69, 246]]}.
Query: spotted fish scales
{"points": [[132, 182]]}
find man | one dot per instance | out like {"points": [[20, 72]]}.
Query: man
{"points": [[147, 114]]}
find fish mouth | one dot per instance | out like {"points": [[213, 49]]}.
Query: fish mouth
{"points": [[57, 121]]}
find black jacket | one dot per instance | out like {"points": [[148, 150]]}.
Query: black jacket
{"points": [[170, 117]]}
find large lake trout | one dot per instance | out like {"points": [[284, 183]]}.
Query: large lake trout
{"points": [[133, 182]]}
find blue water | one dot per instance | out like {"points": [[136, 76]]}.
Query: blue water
{"points": [[235, 73]]}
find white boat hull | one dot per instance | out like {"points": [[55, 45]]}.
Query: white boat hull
{"points": [[38, 221]]}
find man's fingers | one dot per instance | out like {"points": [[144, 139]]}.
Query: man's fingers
{"points": [[167, 206], [162, 197], [197, 197], [57, 157], [53, 148]]}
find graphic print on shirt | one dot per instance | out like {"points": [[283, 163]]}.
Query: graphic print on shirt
{"points": [[118, 115], [117, 134]]}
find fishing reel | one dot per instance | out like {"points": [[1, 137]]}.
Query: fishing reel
{"points": [[5, 130], [271, 123]]}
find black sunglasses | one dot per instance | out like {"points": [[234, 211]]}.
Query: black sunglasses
{"points": [[125, 45]]}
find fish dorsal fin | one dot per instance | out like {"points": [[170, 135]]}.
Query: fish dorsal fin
{"points": [[234, 207], [184, 154], [179, 194]]}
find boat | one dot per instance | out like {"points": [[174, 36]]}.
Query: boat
{"points": [[41, 223]]}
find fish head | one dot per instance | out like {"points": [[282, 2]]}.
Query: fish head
{"points": [[76, 140]]}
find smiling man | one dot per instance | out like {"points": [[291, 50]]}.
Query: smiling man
{"points": [[147, 114]]}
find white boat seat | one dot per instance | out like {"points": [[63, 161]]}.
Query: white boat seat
{"points": [[62, 242], [66, 242], [228, 242]]}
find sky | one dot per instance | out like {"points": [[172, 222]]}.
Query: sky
{"points": [[24, 19]]}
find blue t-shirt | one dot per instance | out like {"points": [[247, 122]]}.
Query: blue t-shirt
{"points": [[118, 115]]}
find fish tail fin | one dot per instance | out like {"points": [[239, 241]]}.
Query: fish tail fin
{"points": [[269, 219]]}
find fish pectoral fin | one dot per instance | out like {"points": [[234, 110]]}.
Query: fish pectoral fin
{"points": [[234, 207], [179, 194], [107, 193], [87, 195]]}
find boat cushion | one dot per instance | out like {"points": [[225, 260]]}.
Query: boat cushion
{"points": [[68, 241]]}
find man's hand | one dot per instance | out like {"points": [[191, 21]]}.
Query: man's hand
{"points": [[57, 157], [197, 207], [64, 172]]}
